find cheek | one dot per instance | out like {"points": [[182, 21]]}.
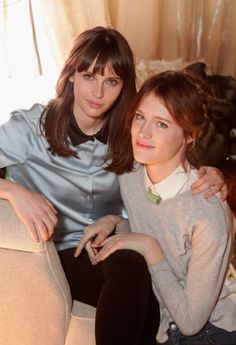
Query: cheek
{"points": [[113, 93], [81, 87], [78, 90], [177, 137], [176, 143]]}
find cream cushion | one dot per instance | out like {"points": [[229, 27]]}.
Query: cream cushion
{"points": [[36, 303]]}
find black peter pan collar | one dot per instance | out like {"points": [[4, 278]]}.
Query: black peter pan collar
{"points": [[78, 137]]}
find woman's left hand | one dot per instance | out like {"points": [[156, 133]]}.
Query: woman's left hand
{"points": [[97, 233], [141, 243], [212, 180]]}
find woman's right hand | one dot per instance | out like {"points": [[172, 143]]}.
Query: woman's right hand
{"points": [[35, 211]]}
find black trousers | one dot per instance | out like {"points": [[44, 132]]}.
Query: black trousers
{"points": [[121, 290]]}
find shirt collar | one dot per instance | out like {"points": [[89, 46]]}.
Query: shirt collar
{"points": [[78, 137], [178, 181]]}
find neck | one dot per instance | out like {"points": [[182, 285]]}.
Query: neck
{"points": [[89, 126], [159, 172]]}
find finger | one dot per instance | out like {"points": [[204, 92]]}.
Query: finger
{"points": [[52, 218], [197, 183], [90, 233], [49, 225], [224, 193], [33, 231], [82, 244], [79, 248], [92, 253], [93, 262], [215, 189], [41, 228], [51, 214], [199, 187], [110, 246], [210, 192], [100, 238], [202, 171], [213, 176], [105, 252], [104, 242], [50, 204]]}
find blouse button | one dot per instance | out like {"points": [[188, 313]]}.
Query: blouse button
{"points": [[173, 327]]}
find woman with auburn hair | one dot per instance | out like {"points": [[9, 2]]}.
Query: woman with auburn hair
{"points": [[57, 160], [185, 240]]}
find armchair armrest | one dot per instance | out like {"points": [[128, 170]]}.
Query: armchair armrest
{"points": [[36, 300], [13, 233]]}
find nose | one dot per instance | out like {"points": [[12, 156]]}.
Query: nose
{"points": [[145, 130], [98, 90]]}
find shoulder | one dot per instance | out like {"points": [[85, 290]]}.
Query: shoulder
{"points": [[212, 205], [19, 134], [132, 182], [31, 116], [210, 215], [25, 120]]}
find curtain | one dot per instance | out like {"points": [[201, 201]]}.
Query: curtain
{"points": [[36, 36], [155, 29], [163, 29]]}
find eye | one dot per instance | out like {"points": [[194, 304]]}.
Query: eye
{"points": [[112, 81], [161, 124], [88, 76], [138, 117]]}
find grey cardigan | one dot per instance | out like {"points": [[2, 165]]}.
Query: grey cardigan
{"points": [[196, 236]]}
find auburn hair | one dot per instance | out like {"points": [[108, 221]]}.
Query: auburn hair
{"points": [[108, 47]]}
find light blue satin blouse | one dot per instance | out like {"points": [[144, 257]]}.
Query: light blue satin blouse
{"points": [[79, 188]]}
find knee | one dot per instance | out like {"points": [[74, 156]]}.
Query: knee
{"points": [[128, 263]]}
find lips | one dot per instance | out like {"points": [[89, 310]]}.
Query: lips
{"points": [[144, 146], [95, 105]]}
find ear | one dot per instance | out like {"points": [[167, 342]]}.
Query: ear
{"points": [[189, 139], [71, 79]]}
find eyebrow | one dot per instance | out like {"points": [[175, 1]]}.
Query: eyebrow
{"points": [[112, 76], [155, 117]]}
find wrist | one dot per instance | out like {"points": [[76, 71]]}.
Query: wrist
{"points": [[114, 219], [9, 189]]}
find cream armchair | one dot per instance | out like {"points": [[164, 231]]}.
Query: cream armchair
{"points": [[36, 306]]}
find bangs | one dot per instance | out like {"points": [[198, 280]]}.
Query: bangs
{"points": [[104, 57]]}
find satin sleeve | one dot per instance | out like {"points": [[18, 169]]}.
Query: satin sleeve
{"points": [[17, 138]]}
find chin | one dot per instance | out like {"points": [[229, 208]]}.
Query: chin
{"points": [[138, 158]]}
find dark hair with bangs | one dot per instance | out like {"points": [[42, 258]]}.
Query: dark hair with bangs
{"points": [[187, 99], [108, 47]]}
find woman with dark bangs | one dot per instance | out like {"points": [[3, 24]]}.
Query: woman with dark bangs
{"points": [[185, 240], [59, 182]]}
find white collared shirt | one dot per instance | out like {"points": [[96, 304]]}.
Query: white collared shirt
{"points": [[177, 182]]}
